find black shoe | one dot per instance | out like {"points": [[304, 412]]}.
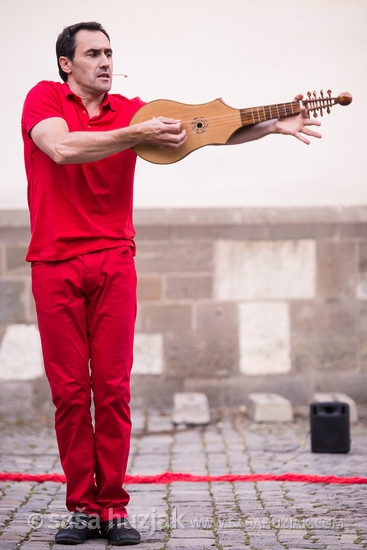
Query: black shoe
{"points": [[78, 528], [119, 532]]}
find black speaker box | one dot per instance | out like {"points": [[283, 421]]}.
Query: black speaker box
{"points": [[330, 427]]}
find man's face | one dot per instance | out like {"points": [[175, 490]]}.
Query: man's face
{"points": [[91, 68]]}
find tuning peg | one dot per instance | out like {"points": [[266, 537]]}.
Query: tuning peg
{"points": [[315, 103], [310, 103], [322, 103], [328, 102]]}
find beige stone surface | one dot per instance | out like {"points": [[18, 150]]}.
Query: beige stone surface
{"points": [[20, 353], [269, 407], [148, 354], [310, 262], [261, 270], [264, 338]]}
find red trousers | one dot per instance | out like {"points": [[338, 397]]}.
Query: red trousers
{"points": [[86, 309]]}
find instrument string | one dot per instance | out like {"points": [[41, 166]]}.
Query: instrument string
{"points": [[266, 112], [242, 115], [254, 115], [246, 118]]}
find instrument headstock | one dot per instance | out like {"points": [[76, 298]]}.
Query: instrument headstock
{"points": [[318, 104]]}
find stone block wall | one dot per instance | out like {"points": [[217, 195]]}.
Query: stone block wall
{"points": [[231, 301]]}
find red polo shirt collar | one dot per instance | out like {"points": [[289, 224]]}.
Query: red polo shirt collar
{"points": [[108, 100]]}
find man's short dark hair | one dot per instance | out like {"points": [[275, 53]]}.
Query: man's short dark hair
{"points": [[66, 43]]}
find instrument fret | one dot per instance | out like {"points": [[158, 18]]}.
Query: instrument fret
{"points": [[254, 115]]}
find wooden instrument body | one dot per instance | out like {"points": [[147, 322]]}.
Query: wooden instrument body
{"points": [[210, 123], [215, 122]]}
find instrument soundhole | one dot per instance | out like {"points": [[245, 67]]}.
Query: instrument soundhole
{"points": [[199, 125]]}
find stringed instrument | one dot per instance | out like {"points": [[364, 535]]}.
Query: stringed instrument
{"points": [[215, 122]]}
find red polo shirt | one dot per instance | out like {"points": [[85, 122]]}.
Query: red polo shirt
{"points": [[77, 208]]}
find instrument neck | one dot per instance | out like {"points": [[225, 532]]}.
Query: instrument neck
{"points": [[254, 115]]}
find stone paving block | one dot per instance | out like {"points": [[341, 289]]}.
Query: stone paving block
{"points": [[263, 542], [190, 408], [269, 407], [8, 544], [154, 534], [149, 545], [341, 397], [193, 544], [192, 534], [88, 545], [35, 545], [227, 537], [212, 387], [294, 509]]}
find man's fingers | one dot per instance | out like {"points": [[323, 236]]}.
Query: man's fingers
{"points": [[173, 140], [169, 121], [302, 138], [311, 132], [165, 132], [170, 125], [312, 122]]}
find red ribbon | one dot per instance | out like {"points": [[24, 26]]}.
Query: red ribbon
{"points": [[169, 477]]}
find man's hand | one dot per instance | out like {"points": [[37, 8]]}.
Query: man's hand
{"points": [[163, 132], [298, 125]]}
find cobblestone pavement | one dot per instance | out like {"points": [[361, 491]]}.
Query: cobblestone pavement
{"points": [[258, 515]]}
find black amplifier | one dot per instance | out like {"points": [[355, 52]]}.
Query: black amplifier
{"points": [[330, 427]]}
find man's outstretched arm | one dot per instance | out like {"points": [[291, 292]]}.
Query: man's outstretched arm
{"points": [[52, 136]]}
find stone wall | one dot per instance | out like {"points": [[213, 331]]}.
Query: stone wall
{"points": [[230, 301]]}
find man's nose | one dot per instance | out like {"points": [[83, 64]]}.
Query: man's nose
{"points": [[105, 61]]}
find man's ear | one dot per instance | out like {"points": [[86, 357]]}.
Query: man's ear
{"points": [[65, 64]]}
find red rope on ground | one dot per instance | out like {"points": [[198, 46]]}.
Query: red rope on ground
{"points": [[169, 477]]}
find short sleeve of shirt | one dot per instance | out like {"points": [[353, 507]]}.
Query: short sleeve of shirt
{"points": [[137, 103], [42, 102]]}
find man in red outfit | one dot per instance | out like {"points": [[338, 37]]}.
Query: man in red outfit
{"points": [[80, 170]]}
